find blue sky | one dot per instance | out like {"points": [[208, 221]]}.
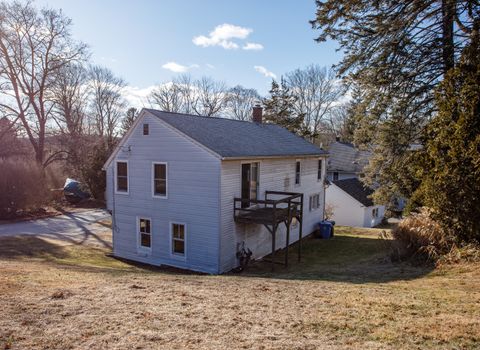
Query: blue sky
{"points": [[137, 39]]}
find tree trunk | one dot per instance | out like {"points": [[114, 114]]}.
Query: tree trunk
{"points": [[448, 14]]}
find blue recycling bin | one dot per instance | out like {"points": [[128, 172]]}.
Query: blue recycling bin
{"points": [[326, 229]]}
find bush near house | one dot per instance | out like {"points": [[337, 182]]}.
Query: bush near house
{"points": [[23, 187]]}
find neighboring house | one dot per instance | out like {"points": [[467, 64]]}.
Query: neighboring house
{"points": [[190, 191], [345, 161], [351, 204]]}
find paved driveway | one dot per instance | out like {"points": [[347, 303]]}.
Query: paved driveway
{"points": [[77, 228]]}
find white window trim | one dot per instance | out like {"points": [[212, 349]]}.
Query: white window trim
{"points": [[153, 180], [116, 178], [259, 162], [300, 176], [141, 248], [323, 170], [177, 255]]}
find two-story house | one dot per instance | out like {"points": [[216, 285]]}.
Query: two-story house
{"points": [[190, 191]]}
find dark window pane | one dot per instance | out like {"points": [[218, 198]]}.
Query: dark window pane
{"points": [[160, 171], [122, 184], [122, 169], [145, 240], [178, 231], [147, 226], [145, 129], [319, 176], [178, 247], [161, 187]]}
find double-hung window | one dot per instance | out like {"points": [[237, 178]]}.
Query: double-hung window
{"points": [[159, 175], [320, 169], [122, 177], [178, 239], [144, 233], [298, 172], [314, 201]]}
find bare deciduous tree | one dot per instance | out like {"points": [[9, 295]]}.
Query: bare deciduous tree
{"points": [[107, 102], [168, 97], [239, 102], [34, 47], [69, 94], [204, 96], [317, 92], [211, 97]]}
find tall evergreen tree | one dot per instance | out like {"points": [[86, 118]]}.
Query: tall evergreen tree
{"points": [[129, 119], [397, 52], [451, 167], [279, 109]]}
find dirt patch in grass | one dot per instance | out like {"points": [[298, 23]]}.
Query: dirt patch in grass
{"points": [[78, 297]]}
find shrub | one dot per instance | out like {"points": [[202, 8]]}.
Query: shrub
{"points": [[23, 187], [420, 236]]}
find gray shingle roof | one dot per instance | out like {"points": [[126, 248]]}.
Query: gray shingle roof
{"points": [[344, 157], [356, 189], [233, 138]]}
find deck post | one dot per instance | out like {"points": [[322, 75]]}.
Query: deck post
{"points": [[274, 234], [288, 231], [300, 229]]}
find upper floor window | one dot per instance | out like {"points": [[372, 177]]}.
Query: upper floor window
{"points": [[122, 177], [160, 179], [298, 170], [250, 182], [320, 169], [145, 129]]}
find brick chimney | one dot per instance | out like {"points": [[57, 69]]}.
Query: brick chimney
{"points": [[257, 114]]}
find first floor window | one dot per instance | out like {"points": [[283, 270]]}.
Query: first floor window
{"points": [[178, 239], [375, 212], [335, 176], [314, 202], [145, 233], [122, 177], [160, 179]]}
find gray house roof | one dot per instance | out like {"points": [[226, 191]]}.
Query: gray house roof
{"points": [[357, 190], [233, 138], [344, 157]]}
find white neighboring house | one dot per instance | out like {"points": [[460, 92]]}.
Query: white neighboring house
{"points": [[185, 190], [351, 204]]}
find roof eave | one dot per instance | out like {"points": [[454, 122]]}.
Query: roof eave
{"points": [[319, 155]]}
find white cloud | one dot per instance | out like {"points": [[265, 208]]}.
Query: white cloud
{"points": [[137, 97], [252, 46], [265, 72], [179, 68], [222, 36]]}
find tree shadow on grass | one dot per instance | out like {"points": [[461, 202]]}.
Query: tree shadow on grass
{"points": [[345, 258], [19, 247]]}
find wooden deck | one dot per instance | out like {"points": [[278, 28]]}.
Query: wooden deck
{"points": [[275, 209]]}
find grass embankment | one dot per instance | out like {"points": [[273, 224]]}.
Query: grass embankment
{"points": [[343, 294]]}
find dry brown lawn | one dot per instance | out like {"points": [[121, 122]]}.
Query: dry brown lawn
{"points": [[343, 295]]}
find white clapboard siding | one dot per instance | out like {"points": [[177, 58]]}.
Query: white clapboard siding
{"points": [[193, 198], [348, 211], [275, 175]]}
